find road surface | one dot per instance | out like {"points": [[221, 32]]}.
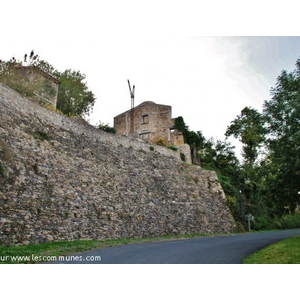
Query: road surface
{"points": [[203, 250]]}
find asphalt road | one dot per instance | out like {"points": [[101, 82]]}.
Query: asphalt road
{"points": [[204, 250]]}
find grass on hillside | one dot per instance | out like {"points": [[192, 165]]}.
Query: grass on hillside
{"points": [[284, 252], [50, 251]]}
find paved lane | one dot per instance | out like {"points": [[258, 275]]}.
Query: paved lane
{"points": [[204, 250]]}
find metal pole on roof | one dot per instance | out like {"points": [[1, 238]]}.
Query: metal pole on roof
{"points": [[132, 107]]}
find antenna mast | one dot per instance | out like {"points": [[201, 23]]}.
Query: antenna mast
{"points": [[132, 107]]}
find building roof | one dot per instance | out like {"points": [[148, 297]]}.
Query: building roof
{"points": [[143, 104]]}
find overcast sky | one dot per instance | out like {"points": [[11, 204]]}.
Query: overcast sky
{"points": [[207, 80]]}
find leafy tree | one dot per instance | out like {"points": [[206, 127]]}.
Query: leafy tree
{"points": [[220, 157], [181, 126], [74, 98], [283, 118], [249, 129], [196, 142], [226, 164], [192, 138]]}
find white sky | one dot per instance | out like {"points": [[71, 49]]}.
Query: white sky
{"points": [[207, 80]]}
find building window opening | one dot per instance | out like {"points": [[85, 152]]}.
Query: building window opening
{"points": [[145, 119]]}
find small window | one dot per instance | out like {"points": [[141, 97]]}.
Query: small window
{"points": [[145, 119]]}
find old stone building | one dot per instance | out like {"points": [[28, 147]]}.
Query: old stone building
{"points": [[43, 85], [152, 122]]}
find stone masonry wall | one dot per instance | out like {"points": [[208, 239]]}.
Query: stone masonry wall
{"points": [[64, 180]]}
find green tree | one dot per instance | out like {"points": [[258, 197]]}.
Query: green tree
{"points": [[196, 142], [282, 113], [220, 157], [181, 126], [191, 138], [249, 129], [74, 97], [226, 164]]}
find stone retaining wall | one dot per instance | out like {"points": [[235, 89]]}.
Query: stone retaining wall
{"points": [[63, 180]]}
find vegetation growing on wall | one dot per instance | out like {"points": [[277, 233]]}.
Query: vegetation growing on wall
{"points": [[180, 125], [74, 98], [10, 76], [106, 127]]}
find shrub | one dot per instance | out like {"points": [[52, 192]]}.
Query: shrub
{"points": [[290, 221], [263, 223], [182, 156], [160, 142], [41, 135], [106, 128], [172, 147], [268, 223]]}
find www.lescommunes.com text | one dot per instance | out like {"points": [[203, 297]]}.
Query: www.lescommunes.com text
{"points": [[50, 258]]}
